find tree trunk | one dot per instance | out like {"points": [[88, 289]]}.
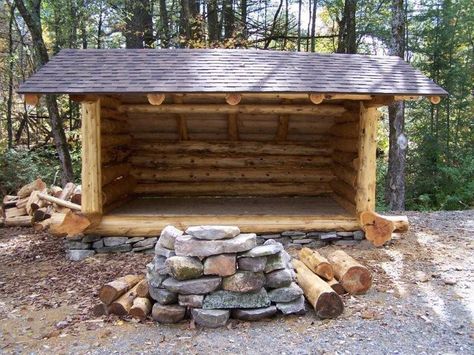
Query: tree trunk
{"points": [[299, 24], [347, 28], [398, 142], [212, 21], [138, 24], [32, 20], [243, 17], [165, 26], [313, 26], [228, 19], [10, 77]]}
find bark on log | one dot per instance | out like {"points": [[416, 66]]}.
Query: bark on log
{"points": [[354, 277], [336, 286], [15, 212], [141, 308], [114, 289], [18, 221], [316, 263], [326, 302], [143, 289], [123, 304], [26, 190]]}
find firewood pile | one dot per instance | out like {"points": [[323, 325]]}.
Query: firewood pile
{"points": [[34, 204], [199, 276]]}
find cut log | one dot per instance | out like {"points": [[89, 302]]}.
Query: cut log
{"points": [[141, 308], [378, 229], [21, 203], [326, 302], [336, 286], [143, 289], [72, 224], [316, 263], [77, 195], [55, 191], [114, 289], [41, 214], [26, 190], [33, 203], [10, 198], [59, 202], [354, 277], [123, 304], [18, 221], [43, 225], [67, 191], [15, 212]]}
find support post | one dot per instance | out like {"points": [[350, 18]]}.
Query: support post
{"points": [[91, 158], [366, 175]]}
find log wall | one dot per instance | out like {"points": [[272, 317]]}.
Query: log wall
{"points": [[116, 140], [222, 154]]}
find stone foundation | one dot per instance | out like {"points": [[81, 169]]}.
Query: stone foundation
{"points": [[81, 247]]}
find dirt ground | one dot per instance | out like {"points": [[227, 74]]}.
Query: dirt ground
{"points": [[422, 301]]}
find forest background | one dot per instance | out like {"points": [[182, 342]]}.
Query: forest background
{"points": [[425, 152]]}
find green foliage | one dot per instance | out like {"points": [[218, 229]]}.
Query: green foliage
{"points": [[21, 166]]}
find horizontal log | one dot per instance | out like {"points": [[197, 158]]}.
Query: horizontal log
{"points": [[132, 226], [114, 155], [222, 108], [233, 175], [144, 159], [15, 212], [229, 147], [344, 190], [117, 189], [234, 189], [346, 130], [112, 114], [111, 140], [113, 126], [345, 144], [112, 172], [346, 174], [346, 204], [59, 201], [347, 159], [18, 221]]}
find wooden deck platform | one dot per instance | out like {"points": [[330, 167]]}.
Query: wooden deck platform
{"points": [[146, 216]]}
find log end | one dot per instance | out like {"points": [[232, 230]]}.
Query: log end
{"points": [[325, 270], [107, 294], [357, 280], [329, 305], [117, 309]]}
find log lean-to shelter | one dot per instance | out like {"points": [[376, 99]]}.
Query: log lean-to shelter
{"points": [[266, 140]]}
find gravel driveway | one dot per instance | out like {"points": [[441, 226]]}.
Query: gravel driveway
{"points": [[422, 302]]}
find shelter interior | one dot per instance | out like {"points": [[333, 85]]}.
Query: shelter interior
{"points": [[265, 162]]}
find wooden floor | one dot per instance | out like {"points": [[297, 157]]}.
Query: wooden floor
{"points": [[219, 206], [148, 216]]}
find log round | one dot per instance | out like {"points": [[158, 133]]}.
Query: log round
{"points": [[354, 277], [316, 263], [114, 289], [141, 308]]}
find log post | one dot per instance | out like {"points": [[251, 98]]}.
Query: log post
{"points": [[366, 178], [326, 302], [91, 158]]}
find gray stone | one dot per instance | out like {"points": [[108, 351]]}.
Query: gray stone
{"points": [[123, 248], [285, 294], [140, 249], [254, 314], [168, 313], [185, 267], [194, 301], [75, 237], [295, 246], [153, 275], [168, 237], [162, 295], [279, 278], [91, 238], [159, 263], [345, 242], [134, 240], [150, 251], [359, 235], [260, 241], [210, 318], [284, 240], [252, 264], [220, 265], [76, 245], [295, 307], [243, 281], [113, 241], [148, 242], [213, 232], [98, 244], [277, 262], [189, 246], [329, 237], [345, 235], [313, 235], [263, 250], [293, 234], [162, 251], [270, 236], [200, 286], [316, 244], [229, 299], [303, 241], [78, 255]]}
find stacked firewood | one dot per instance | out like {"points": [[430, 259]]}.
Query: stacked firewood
{"points": [[324, 279], [35, 203]]}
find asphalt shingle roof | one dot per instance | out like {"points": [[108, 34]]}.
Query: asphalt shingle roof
{"points": [[113, 71]]}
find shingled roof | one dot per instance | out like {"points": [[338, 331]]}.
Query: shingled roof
{"points": [[114, 71]]}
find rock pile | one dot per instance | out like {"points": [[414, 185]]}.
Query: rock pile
{"points": [[212, 273]]}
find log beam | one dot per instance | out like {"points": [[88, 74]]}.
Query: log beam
{"points": [[233, 99], [91, 158], [435, 99], [180, 108], [32, 99], [156, 99]]}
